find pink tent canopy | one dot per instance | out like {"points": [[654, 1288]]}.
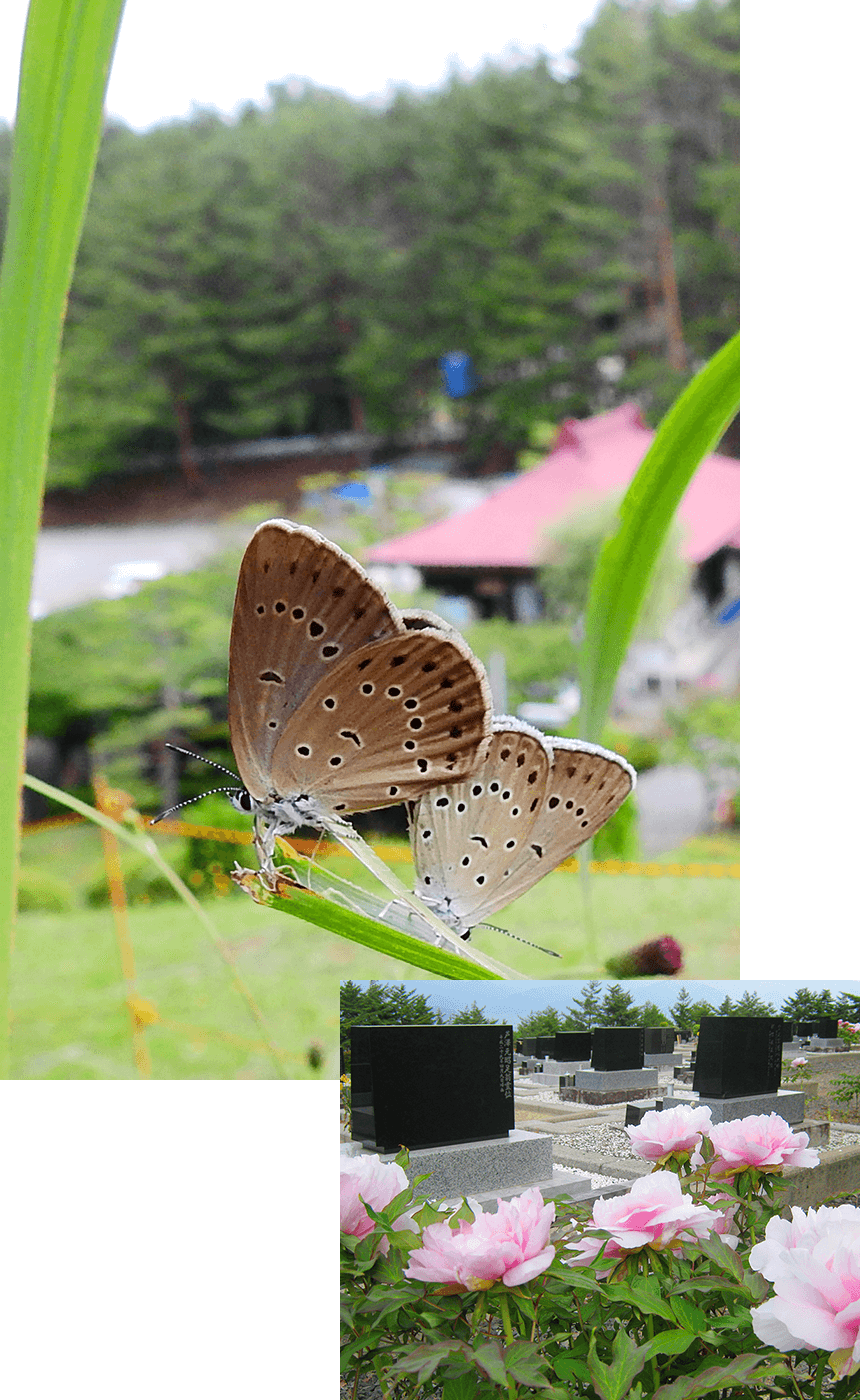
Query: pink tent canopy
{"points": [[591, 459]]}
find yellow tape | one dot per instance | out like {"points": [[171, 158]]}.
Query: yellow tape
{"points": [[711, 870]]}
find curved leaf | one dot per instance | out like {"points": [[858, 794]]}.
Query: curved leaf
{"points": [[691, 428]]}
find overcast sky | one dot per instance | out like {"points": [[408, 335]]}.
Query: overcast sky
{"points": [[512, 1001], [172, 54]]}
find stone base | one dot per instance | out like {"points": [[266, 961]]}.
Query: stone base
{"points": [[833, 1046], [598, 1097], [526, 1152], [573, 1184], [612, 1079], [565, 1066], [496, 1165], [673, 1059], [551, 1078], [615, 1081], [788, 1103]]}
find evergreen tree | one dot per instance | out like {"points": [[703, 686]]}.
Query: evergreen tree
{"points": [[651, 1015], [617, 1007], [751, 1004], [382, 1004], [473, 1015], [584, 1011], [545, 1022], [262, 277]]}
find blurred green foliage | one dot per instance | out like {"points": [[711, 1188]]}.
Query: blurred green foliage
{"points": [[706, 733], [206, 860], [42, 890], [538, 655], [142, 881], [245, 278]]}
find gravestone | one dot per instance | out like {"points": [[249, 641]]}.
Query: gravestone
{"points": [[788, 1031], [617, 1047], [659, 1040], [545, 1047], [822, 1032], [660, 1049], [617, 1072], [636, 1109], [447, 1094], [430, 1086], [738, 1056], [571, 1051], [527, 1045], [738, 1069], [572, 1045]]}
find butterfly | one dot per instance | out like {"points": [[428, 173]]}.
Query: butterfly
{"points": [[336, 705], [480, 841]]}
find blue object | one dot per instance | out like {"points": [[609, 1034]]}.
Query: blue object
{"points": [[731, 612], [352, 491], [457, 374]]}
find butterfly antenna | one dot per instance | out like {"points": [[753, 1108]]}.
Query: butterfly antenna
{"points": [[188, 801], [495, 927], [212, 764]]}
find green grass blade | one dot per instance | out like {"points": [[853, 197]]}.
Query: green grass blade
{"points": [[690, 430], [316, 909], [353, 842], [146, 846], [68, 47]]}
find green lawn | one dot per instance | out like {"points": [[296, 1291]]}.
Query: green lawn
{"points": [[70, 1020], [701, 912]]}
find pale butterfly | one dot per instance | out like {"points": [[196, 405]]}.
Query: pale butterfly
{"points": [[335, 704], [479, 842]]}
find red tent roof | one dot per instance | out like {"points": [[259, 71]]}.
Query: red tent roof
{"points": [[591, 459]]}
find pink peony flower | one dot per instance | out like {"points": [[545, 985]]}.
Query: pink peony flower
{"points": [[510, 1244], [798, 1061], [655, 1213], [367, 1179], [763, 1141], [725, 1223], [813, 1262], [674, 1131]]}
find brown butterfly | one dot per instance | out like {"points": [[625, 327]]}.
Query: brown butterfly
{"points": [[335, 705]]}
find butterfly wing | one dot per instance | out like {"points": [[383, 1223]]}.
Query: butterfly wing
{"points": [[585, 787], [301, 606], [388, 721], [468, 836]]}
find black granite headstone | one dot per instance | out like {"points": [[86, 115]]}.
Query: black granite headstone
{"points": [[429, 1086], [617, 1047], [636, 1109], [659, 1040], [546, 1046], [788, 1031], [572, 1045], [527, 1045], [807, 1028], [828, 1027], [738, 1056]]}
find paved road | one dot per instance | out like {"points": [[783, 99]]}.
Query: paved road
{"points": [[73, 565], [673, 805]]}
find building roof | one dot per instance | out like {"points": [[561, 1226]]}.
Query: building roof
{"points": [[591, 458]]}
